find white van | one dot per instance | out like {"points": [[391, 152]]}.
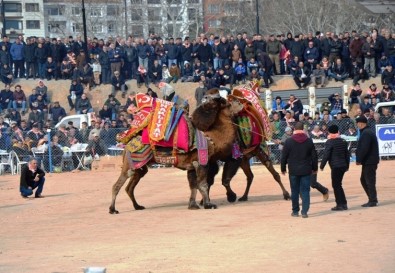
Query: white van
{"points": [[383, 104], [77, 120]]}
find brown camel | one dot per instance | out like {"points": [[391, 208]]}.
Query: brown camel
{"points": [[232, 165], [215, 117]]}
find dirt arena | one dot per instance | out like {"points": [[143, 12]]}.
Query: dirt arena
{"points": [[71, 228]]}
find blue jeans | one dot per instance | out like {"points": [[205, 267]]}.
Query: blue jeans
{"points": [[41, 70], [15, 105], [300, 184], [170, 62], [39, 185], [144, 63]]}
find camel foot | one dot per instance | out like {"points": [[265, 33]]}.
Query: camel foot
{"points": [[193, 205], [231, 196], [113, 211], [210, 206], [138, 207], [243, 198], [287, 196]]}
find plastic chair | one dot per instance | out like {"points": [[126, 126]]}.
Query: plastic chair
{"points": [[19, 163], [9, 162]]}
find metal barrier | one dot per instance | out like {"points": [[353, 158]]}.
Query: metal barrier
{"points": [[74, 149]]}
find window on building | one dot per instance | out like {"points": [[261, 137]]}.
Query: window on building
{"points": [[13, 24], [97, 28], [76, 11], [231, 9], [32, 7], [193, 1], [173, 2], [137, 30], [174, 14], [112, 10], [12, 7], [56, 26], [136, 2], [96, 12], [154, 29], [55, 11], [32, 24], [137, 14], [154, 14], [76, 27], [214, 23], [153, 2], [192, 14], [213, 9], [112, 27]]}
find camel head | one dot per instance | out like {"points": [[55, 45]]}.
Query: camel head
{"points": [[212, 104]]}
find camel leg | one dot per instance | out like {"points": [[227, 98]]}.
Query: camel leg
{"points": [[191, 174], [134, 180], [264, 158], [245, 165], [230, 169], [116, 187], [212, 171], [201, 180]]}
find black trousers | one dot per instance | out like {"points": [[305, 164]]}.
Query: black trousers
{"points": [[337, 179], [368, 181], [316, 185]]}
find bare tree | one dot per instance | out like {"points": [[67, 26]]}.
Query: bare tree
{"points": [[302, 16]]}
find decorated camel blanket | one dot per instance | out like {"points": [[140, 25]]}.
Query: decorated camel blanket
{"points": [[179, 139]]}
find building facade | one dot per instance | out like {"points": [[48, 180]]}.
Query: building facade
{"points": [[124, 17], [226, 16], [23, 17]]}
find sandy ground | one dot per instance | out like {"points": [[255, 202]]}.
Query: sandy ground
{"points": [[71, 228]]}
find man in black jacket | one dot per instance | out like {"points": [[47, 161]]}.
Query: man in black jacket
{"points": [[336, 153], [300, 155], [368, 156], [32, 177]]}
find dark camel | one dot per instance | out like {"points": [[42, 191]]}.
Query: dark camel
{"points": [[232, 165], [215, 117]]}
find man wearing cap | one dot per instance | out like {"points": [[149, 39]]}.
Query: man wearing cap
{"points": [[367, 155], [337, 154], [300, 155], [336, 103]]}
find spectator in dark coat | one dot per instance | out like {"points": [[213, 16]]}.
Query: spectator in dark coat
{"points": [[265, 68], [41, 55], [337, 154], [367, 155], [300, 155], [30, 59], [297, 48], [76, 91], [57, 112], [295, 105]]}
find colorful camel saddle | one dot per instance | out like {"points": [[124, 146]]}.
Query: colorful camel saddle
{"points": [[248, 130], [256, 113], [181, 137]]}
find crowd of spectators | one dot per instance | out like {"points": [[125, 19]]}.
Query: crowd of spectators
{"points": [[212, 61]]}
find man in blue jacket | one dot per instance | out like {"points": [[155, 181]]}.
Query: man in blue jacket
{"points": [[17, 54], [300, 155]]}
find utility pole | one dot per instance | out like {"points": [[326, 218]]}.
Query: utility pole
{"points": [[126, 20], [85, 32], [3, 18], [257, 16]]}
